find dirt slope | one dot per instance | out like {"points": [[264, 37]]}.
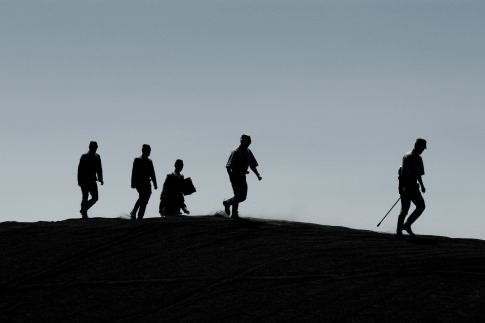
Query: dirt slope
{"points": [[212, 269]]}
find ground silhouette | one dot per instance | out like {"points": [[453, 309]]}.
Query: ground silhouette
{"points": [[213, 269]]}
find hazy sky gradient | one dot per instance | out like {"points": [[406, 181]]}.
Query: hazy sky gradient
{"points": [[333, 94]]}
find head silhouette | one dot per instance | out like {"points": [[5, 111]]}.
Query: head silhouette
{"points": [[420, 145], [245, 140], [146, 150], [93, 146], [179, 165]]}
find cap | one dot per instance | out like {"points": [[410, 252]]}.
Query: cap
{"points": [[93, 144]]}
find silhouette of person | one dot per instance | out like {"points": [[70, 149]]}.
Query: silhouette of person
{"points": [[410, 179], [141, 175], [237, 166], [172, 196], [88, 172]]}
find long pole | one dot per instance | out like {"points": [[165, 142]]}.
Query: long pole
{"points": [[389, 211]]}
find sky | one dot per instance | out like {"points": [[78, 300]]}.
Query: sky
{"points": [[332, 92]]}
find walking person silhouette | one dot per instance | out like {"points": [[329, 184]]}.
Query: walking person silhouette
{"points": [[141, 175], [410, 179], [88, 172], [237, 166]]}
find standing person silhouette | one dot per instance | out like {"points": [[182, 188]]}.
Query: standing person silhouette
{"points": [[141, 175], [88, 172], [237, 166], [412, 170]]}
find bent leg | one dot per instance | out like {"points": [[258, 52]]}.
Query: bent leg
{"points": [[84, 201], [138, 202], [240, 188], [418, 200], [135, 208], [93, 190], [405, 205], [145, 194], [85, 196]]}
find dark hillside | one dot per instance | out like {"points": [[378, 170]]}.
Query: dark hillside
{"points": [[211, 269]]}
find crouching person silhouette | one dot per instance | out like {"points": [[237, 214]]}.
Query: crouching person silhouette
{"points": [[172, 197], [410, 179], [237, 166], [141, 175], [89, 171]]}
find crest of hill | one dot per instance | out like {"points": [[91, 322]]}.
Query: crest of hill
{"points": [[208, 268]]}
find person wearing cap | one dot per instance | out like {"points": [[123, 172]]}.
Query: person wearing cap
{"points": [[172, 198], [142, 175], [88, 172], [410, 180], [237, 166]]}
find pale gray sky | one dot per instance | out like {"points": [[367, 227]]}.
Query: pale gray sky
{"points": [[333, 94]]}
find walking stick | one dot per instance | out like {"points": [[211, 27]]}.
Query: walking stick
{"points": [[389, 211]]}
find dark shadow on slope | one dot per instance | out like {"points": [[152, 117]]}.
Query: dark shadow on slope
{"points": [[248, 223], [420, 240]]}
